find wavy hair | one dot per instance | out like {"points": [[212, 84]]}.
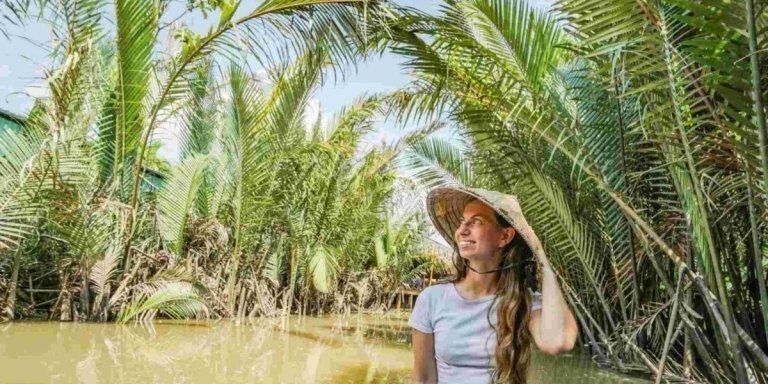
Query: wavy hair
{"points": [[513, 338]]}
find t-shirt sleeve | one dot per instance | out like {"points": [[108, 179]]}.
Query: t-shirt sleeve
{"points": [[421, 319], [536, 306]]}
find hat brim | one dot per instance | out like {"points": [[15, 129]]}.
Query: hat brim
{"points": [[445, 206]]}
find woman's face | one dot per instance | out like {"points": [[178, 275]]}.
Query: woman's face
{"points": [[479, 236]]}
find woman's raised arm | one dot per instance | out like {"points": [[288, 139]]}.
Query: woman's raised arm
{"points": [[553, 328]]}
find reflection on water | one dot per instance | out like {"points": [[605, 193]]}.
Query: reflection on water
{"points": [[352, 349]]}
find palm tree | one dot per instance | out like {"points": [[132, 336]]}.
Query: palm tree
{"points": [[88, 145], [298, 188], [627, 139]]}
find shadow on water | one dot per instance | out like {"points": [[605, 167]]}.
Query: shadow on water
{"points": [[334, 349], [324, 340], [371, 374], [377, 333]]}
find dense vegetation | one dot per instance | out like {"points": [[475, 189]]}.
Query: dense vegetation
{"points": [[633, 132], [268, 209]]}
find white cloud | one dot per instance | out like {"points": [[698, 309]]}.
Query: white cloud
{"points": [[5, 71]]}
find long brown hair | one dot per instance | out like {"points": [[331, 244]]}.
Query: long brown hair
{"points": [[513, 339]]}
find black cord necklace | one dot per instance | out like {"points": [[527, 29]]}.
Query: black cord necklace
{"points": [[508, 266]]}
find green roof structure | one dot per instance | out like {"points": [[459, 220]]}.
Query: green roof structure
{"points": [[9, 120]]}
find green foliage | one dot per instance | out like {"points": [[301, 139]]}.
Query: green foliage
{"points": [[177, 197], [177, 300], [18, 209], [323, 268], [629, 143], [122, 234], [631, 131]]}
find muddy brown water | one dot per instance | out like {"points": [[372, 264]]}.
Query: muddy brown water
{"points": [[335, 349]]}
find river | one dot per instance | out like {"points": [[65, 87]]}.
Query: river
{"points": [[334, 349]]}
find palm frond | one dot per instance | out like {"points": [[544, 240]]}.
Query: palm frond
{"points": [[331, 25], [198, 114], [104, 270], [177, 300], [523, 40], [136, 30], [323, 268], [438, 161], [20, 173], [176, 200]]}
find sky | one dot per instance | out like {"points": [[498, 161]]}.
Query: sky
{"points": [[24, 56]]}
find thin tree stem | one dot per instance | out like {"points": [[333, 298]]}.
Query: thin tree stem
{"points": [[603, 359], [671, 326], [759, 120], [622, 139], [9, 308]]}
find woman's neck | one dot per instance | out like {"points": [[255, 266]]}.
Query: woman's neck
{"points": [[476, 285]]}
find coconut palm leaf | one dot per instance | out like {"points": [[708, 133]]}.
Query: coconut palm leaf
{"points": [[177, 300], [287, 101], [569, 238], [331, 24], [136, 30], [198, 114], [524, 41], [198, 130], [215, 187], [87, 232], [21, 170], [273, 269], [627, 137], [268, 137], [103, 271], [76, 86], [177, 198], [323, 268], [246, 153], [438, 161]]}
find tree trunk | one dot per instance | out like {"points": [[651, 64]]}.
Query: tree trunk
{"points": [[66, 306], [10, 299]]}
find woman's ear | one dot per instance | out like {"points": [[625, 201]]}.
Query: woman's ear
{"points": [[507, 236]]}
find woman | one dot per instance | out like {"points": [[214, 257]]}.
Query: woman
{"points": [[479, 328]]}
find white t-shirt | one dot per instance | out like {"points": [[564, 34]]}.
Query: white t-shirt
{"points": [[464, 339]]}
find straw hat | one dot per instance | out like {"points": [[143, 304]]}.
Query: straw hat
{"points": [[446, 208]]}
